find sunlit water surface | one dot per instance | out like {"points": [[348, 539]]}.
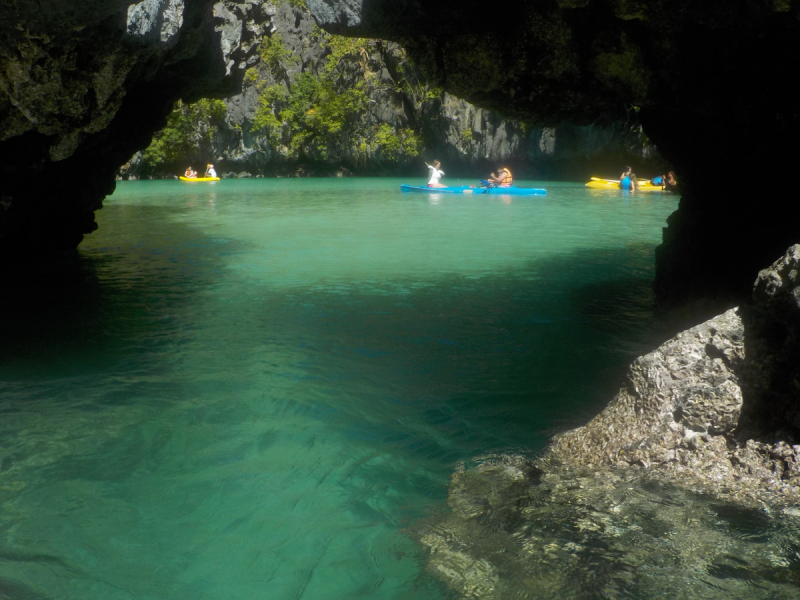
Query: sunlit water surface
{"points": [[252, 389]]}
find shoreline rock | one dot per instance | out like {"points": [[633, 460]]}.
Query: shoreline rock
{"points": [[685, 440]]}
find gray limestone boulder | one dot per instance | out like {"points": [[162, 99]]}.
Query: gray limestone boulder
{"points": [[692, 468], [685, 389], [717, 406]]}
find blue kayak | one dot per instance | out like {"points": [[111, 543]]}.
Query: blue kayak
{"points": [[465, 189]]}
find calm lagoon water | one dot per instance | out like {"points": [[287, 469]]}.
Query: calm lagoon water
{"points": [[251, 389]]}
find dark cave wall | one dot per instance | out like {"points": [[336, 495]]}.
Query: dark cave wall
{"points": [[84, 84]]}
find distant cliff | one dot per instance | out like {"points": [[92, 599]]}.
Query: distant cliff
{"points": [[318, 104]]}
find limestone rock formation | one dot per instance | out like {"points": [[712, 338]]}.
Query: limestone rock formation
{"points": [[85, 83], [708, 81], [704, 426], [468, 139], [718, 405], [673, 399]]}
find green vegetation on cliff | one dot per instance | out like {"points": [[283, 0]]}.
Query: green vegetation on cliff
{"points": [[324, 115], [187, 137]]}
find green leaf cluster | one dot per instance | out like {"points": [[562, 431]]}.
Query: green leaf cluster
{"points": [[321, 115], [187, 136], [324, 115], [274, 55], [394, 144], [301, 4]]}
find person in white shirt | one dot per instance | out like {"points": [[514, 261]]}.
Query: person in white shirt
{"points": [[435, 175], [210, 172]]}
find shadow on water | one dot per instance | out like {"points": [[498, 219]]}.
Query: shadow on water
{"points": [[446, 369], [12, 590], [544, 348], [501, 361], [86, 311], [496, 362]]}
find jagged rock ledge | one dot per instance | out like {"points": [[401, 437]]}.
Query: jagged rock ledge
{"points": [[702, 437]]}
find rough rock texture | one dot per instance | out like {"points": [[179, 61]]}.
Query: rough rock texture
{"points": [[678, 417], [707, 78], [682, 393], [513, 531], [639, 495], [85, 83], [718, 405]]}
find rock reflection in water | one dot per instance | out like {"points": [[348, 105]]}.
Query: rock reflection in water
{"points": [[514, 531]]}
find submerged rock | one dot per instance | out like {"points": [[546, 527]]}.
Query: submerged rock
{"points": [[604, 533], [664, 493]]}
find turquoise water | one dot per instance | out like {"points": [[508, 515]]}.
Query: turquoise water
{"points": [[252, 389]]}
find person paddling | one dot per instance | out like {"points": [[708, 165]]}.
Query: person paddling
{"points": [[435, 175], [502, 179], [210, 172]]}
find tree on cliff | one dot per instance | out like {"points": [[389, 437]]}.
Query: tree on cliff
{"points": [[187, 138]]}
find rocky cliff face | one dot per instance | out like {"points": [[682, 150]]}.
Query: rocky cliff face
{"points": [[471, 141], [84, 84], [708, 80], [704, 432]]}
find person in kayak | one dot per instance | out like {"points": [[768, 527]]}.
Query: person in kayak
{"points": [[625, 179], [502, 179], [210, 172], [435, 175], [190, 174]]}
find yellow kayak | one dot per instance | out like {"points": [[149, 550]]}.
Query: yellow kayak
{"points": [[613, 184], [194, 179]]}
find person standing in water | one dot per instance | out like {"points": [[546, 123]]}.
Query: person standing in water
{"points": [[625, 182], [435, 174]]}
